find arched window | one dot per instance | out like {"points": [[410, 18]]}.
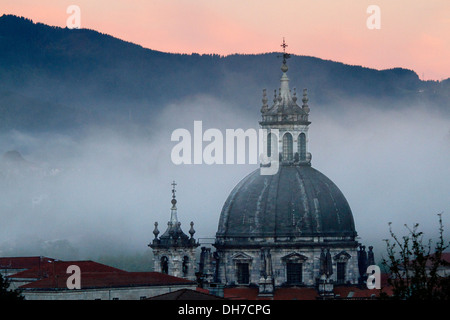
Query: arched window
{"points": [[165, 265], [269, 145], [301, 145], [287, 147], [185, 265]]}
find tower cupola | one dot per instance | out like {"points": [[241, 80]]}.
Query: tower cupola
{"points": [[287, 120]]}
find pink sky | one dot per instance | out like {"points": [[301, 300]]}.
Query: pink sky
{"points": [[414, 34]]}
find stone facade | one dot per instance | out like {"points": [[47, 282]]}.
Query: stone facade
{"points": [[308, 257]]}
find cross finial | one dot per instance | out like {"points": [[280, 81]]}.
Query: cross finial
{"points": [[284, 45], [173, 189], [285, 55], [284, 67]]}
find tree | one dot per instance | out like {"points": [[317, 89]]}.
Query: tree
{"points": [[6, 294], [414, 266]]}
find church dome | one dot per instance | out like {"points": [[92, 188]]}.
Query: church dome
{"points": [[298, 201]]}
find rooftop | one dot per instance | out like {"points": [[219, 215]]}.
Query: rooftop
{"points": [[50, 274]]}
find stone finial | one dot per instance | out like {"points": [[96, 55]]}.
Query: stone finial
{"points": [[174, 201], [264, 107], [370, 256], [156, 231], [329, 263], [305, 100], [192, 231]]}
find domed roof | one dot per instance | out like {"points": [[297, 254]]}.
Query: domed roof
{"points": [[297, 201]]}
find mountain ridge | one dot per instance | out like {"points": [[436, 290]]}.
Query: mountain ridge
{"points": [[53, 78]]}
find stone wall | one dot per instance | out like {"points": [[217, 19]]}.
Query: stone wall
{"points": [[175, 261], [309, 257], [128, 293]]}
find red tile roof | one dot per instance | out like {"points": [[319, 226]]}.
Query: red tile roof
{"points": [[91, 280], [59, 268], [445, 257], [22, 262], [51, 274]]}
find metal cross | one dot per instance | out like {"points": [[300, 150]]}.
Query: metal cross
{"points": [[285, 55], [284, 45], [173, 189]]}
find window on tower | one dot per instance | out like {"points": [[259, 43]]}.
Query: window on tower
{"points": [[302, 146], [269, 145], [185, 265], [165, 265], [287, 147]]}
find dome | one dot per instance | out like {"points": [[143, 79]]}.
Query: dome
{"points": [[298, 201]]}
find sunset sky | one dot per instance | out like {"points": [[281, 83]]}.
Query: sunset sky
{"points": [[414, 34]]}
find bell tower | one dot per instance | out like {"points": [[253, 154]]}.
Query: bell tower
{"points": [[288, 120], [174, 251]]}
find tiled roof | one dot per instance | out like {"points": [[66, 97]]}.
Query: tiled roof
{"points": [[445, 257], [90, 280], [50, 274], [22, 262], [59, 268]]}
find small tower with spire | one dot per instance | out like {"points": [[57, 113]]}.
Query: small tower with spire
{"points": [[174, 251], [289, 120]]}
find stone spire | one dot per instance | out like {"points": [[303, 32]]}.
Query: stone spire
{"points": [[173, 210], [174, 251], [174, 235]]}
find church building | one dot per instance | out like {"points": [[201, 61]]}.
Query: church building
{"points": [[292, 228]]}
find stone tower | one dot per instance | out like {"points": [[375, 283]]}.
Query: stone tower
{"points": [[289, 120], [174, 251]]}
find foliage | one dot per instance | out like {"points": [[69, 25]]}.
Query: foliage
{"points": [[414, 266], [6, 294]]}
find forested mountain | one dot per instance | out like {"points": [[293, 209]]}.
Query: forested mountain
{"points": [[55, 78]]}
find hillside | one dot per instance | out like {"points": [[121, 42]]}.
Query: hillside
{"points": [[55, 79]]}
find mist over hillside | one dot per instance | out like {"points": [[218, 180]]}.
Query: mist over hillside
{"points": [[86, 121]]}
